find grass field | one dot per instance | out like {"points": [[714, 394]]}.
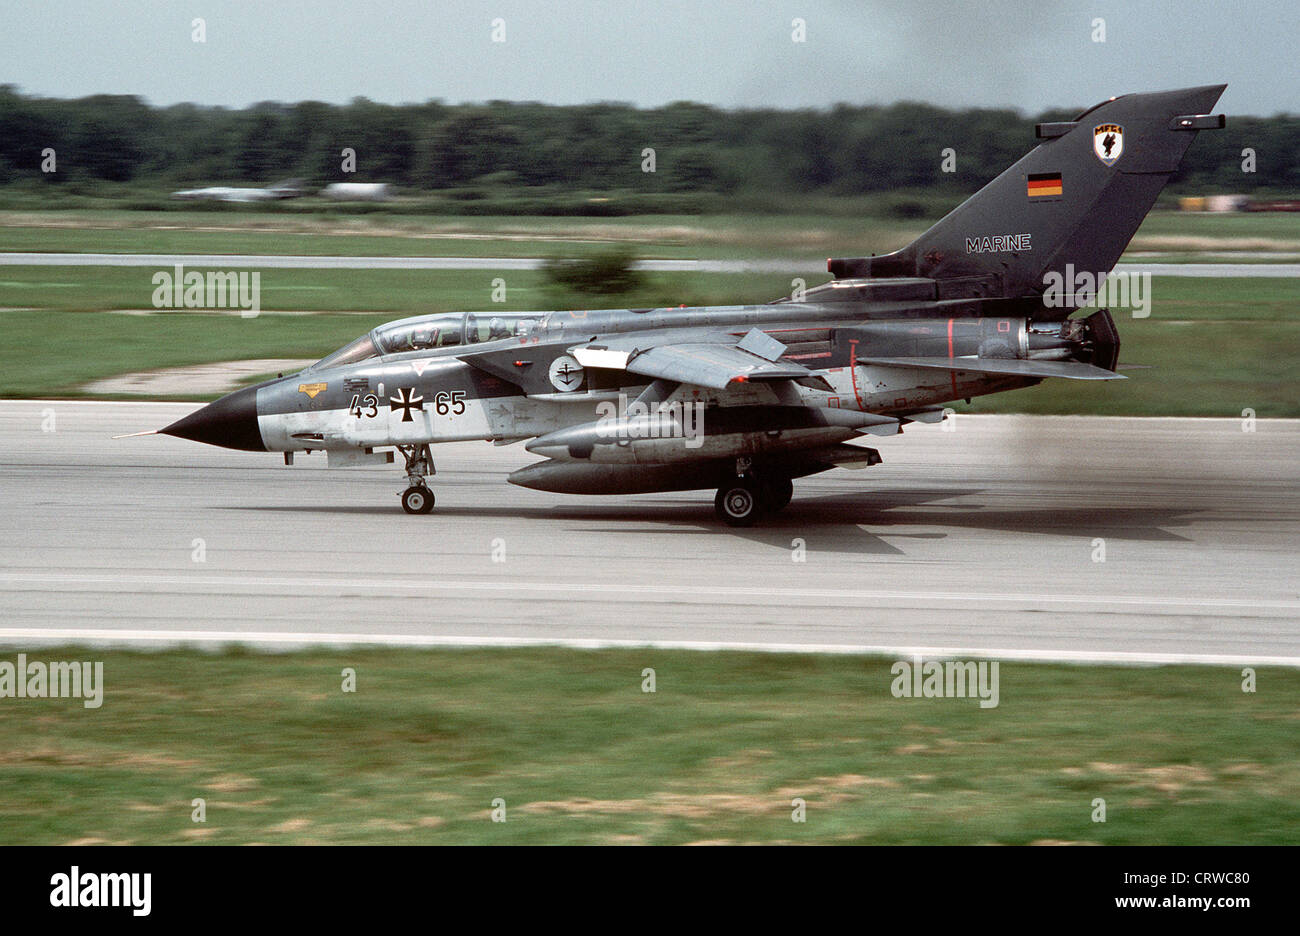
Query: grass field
{"points": [[394, 292], [69, 344], [738, 236], [579, 753], [1217, 346], [670, 236]]}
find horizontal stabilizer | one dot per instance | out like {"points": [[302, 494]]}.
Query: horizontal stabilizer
{"points": [[1008, 367]]}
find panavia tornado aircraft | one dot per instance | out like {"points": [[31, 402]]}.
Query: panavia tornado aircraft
{"points": [[744, 399]]}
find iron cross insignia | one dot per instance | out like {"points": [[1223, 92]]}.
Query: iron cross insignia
{"points": [[406, 400]]}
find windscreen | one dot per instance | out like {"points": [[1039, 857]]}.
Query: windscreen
{"points": [[358, 350]]}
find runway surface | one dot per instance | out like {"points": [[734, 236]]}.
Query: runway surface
{"points": [[278, 261], [982, 539]]}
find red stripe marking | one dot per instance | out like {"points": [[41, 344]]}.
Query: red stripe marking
{"points": [[952, 374], [853, 369]]}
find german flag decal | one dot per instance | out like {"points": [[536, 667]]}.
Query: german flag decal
{"points": [[1043, 184]]}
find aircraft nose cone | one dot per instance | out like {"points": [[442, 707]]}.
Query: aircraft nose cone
{"points": [[230, 422]]}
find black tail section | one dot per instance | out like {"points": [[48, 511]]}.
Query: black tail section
{"points": [[1077, 199]]}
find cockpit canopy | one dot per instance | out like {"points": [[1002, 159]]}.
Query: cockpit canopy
{"points": [[441, 330]]}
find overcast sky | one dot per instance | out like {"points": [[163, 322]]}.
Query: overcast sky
{"points": [[731, 53]]}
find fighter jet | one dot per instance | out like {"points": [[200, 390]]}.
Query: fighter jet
{"points": [[745, 399], [289, 188]]}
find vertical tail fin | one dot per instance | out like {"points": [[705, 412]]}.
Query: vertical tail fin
{"points": [[1077, 198]]}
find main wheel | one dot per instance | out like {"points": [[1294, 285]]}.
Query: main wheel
{"points": [[417, 500], [777, 493], [738, 502]]}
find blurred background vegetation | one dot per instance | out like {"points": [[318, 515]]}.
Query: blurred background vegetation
{"points": [[538, 159], [566, 183]]}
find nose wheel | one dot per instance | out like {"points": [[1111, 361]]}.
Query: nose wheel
{"points": [[417, 499]]}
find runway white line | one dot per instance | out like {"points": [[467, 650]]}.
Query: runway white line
{"points": [[674, 592], [273, 640]]}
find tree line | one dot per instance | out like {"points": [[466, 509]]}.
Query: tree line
{"points": [[605, 147]]}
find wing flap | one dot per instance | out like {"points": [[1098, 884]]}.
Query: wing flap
{"points": [[1009, 367]]}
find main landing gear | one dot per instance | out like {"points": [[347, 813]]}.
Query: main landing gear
{"points": [[745, 498], [417, 499]]}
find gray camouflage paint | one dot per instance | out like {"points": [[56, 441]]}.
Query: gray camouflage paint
{"points": [[958, 313]]}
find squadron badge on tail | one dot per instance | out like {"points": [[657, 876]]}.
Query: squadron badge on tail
{"points": [[1108, 142]]}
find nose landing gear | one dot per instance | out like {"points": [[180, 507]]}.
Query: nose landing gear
{"points": [[417, 499]]}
